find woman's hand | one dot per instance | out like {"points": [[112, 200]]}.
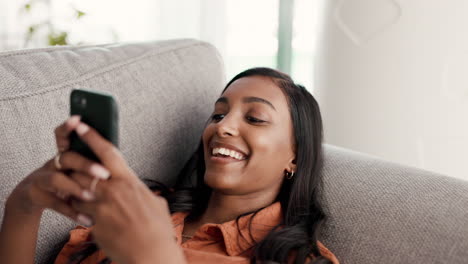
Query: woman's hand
{"points": [[131, 224], [48, 187]]}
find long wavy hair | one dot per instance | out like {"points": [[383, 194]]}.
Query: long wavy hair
{"points": [[299, 197]]}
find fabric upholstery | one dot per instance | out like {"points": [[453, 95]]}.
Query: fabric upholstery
{"points": [[382, 212], [378, 212]]}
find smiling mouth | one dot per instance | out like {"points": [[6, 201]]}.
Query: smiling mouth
{"points": [[227, 154]]}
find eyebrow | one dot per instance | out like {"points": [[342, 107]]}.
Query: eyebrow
{"points": [[250, 99]]}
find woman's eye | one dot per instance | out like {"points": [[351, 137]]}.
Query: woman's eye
{"points": [[217, 117], [254, 120]]}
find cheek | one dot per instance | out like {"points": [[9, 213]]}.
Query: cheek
{"points": [[266, 169], [207, 133], [272, 153], [271, 145]]}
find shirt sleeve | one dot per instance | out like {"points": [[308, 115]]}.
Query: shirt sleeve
{"points": [[78, 236], [326, 253]]}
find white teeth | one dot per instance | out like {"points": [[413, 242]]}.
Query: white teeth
{"points": [[227, 152]]}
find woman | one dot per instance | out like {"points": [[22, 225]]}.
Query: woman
{"points": [[254, 199]]}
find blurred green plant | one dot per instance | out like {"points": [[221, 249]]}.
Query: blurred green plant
{"points": [[54, 36]]}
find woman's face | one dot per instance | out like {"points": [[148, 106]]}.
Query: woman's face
{"points": [[248, 143]]}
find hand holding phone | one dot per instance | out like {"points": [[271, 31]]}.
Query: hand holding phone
{"points": [[98, 110]]}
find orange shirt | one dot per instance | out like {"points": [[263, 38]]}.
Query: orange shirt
{"points": [[212, 243]]}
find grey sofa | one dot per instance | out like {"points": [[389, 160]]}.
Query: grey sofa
{"points": [[379, 212]]}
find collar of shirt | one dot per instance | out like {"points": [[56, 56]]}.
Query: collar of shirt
{"points": [[238, 238]]}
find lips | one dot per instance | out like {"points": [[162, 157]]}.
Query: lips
{"points": [[225, 151]]}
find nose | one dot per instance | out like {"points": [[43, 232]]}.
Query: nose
{"points": [[227, 126]]}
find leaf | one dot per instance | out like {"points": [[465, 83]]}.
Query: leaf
{"points": [[27, 7], [79, 13], [58, 39]]}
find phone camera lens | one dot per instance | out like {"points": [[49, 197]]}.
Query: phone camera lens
{"points": [[83, 102]]}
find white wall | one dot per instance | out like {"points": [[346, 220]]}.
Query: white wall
{"points": [[392, 80]]}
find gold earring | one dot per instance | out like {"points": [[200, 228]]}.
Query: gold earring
{"points": [[289, 175]]}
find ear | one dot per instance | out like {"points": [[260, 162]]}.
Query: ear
{"points": [[291, 165]]}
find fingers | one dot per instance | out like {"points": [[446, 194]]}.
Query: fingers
{"points": [[87, 209], [62, 195], [64, 208], [62, 186], [83, 180], [73, 161], [59, 205], [105, 150], [63, 131]]}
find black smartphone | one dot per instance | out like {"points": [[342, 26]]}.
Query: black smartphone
{"points": [[98, 110]]}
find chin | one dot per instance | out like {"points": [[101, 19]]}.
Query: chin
{"points": [[222, 182]]}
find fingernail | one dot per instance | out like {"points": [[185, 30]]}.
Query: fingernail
{"points": [[82, 129], [84, 220], [87, 195], [62, 149], [99, 172], [73, 120]]}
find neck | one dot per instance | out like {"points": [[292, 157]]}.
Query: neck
{"points": [[222, 207]]}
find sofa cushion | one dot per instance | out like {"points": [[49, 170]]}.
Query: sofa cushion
{"points": [[383, 212]]}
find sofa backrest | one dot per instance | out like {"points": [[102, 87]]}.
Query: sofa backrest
{"points": [[165, 92], [382, 212]]}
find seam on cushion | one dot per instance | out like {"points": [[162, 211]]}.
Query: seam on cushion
{"points": [[12, 53], [109, 68], [67, 47]]}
